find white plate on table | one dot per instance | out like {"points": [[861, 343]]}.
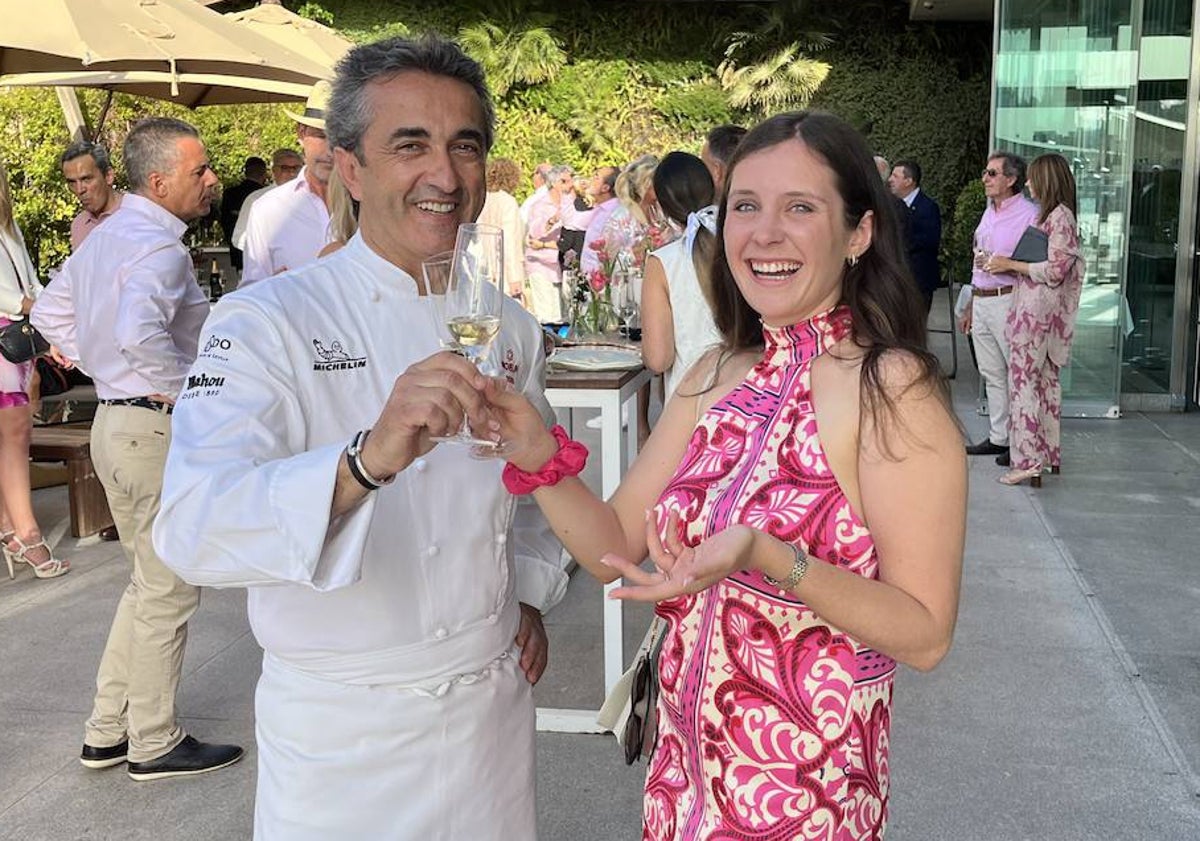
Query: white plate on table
{"points": [[596, 358]]}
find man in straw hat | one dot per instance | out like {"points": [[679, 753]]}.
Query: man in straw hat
{"points": [[289, 225], [395, 585]]}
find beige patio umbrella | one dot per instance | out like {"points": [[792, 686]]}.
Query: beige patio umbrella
{"points": [[300, 35], [176, 50]]}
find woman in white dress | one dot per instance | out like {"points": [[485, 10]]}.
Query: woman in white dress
{"points": [[502, 210], [677, 320]]}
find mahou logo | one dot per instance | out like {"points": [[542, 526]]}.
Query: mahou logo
{"points": [[204, 381]]}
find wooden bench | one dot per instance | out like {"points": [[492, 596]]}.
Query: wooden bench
{"points": [[72, 445]]}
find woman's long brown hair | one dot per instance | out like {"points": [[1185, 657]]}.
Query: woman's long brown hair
{"points": [[885, 305], [1052, 181]]}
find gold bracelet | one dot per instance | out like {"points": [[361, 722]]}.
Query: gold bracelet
{"points": [[799, 568]]}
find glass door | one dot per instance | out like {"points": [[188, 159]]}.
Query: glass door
{"points": [[1066, 81], [1158, 288]]}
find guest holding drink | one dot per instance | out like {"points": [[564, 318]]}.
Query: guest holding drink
{"points": [[1005, 219], [792, 562], [542, 270]]}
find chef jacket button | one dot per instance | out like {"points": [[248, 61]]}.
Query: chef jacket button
{"points": [[502, 539], [433, 550], [491, 617], [421, 465], [375, 295], [441, 633]]}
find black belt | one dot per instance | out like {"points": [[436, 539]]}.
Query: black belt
{"points": [[141, 403]]}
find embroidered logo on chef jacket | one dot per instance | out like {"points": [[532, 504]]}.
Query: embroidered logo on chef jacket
{"points": [[510, 366], [215, 348], [334, 357], [201, 385]]}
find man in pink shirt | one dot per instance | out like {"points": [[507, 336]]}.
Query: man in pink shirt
{"points": [[602, 192], [88, 172], [1007, 216]]}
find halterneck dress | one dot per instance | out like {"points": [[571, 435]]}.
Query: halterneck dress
{"points": [[773, 724]]}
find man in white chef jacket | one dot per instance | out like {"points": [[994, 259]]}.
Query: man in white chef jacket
{"points": [[395, 700]]}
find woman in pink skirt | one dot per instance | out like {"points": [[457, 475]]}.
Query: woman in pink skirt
{"points": [[1041, 324], [20, 538]]}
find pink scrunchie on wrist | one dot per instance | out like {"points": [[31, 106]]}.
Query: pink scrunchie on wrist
{"points": [[569, 460]]}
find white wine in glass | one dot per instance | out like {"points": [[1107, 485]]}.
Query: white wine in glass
{"points": [[474, 331], [472, 305]]}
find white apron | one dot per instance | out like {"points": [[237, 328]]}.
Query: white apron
{"points": [[461, 766]]}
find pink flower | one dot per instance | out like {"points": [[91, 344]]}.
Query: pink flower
{"points": [[597, 280]]}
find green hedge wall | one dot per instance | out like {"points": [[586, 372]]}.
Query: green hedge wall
{"points": [[640, 77]]}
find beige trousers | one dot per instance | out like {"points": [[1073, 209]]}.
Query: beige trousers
{"points": [[139, 672], [988, 319]]}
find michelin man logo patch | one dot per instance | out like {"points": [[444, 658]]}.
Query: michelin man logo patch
{"points": [[334, 357]]}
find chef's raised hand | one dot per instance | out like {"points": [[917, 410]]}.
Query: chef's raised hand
{"points": [[429, 399]]}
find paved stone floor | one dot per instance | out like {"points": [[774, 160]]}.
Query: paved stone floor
{"points": [[1068, 709]]}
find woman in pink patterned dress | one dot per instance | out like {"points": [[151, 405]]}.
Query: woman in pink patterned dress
{"points": [[1041, 324], [802, 500]]}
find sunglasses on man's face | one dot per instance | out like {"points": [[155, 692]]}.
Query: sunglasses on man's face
{"points": [[992, 173]]}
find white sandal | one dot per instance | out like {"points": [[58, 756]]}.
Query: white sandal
{"points": [[51, 567]]}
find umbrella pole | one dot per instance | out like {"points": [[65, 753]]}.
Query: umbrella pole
{"points": [[72, 113], [103, 115]]}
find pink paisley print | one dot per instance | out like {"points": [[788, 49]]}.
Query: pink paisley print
{"points": [[1041, 324], [772, 723]]}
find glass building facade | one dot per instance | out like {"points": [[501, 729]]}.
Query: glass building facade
{"points": [[1114, 86]]}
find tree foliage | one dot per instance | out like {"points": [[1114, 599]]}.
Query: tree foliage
{"points": [[513, 58], [958, 242], [600, 82], [783, 81]]}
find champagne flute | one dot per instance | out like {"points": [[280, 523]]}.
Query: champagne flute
{"points": [[624, 301], [472, 303], [436, 272], [983, 250]]}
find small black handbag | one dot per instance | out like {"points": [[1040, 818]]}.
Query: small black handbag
{"points": [[20, 341]]}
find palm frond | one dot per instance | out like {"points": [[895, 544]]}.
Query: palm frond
{"points": [[784, 80]]}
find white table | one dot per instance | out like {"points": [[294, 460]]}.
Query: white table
{"points": [[607, 391]]}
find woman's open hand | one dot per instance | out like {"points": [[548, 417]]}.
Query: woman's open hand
{"points": [[680, 568]]}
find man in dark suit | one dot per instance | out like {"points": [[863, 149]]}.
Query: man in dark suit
{"points": [[255, 178], [922, 227]]}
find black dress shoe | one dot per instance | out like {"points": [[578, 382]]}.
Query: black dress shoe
{"points": [[987, 448], [109, 533], [104, 757], [1004, 460], [187, 758]]}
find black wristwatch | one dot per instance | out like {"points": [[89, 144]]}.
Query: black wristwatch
{"points": [[357, 470]]}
